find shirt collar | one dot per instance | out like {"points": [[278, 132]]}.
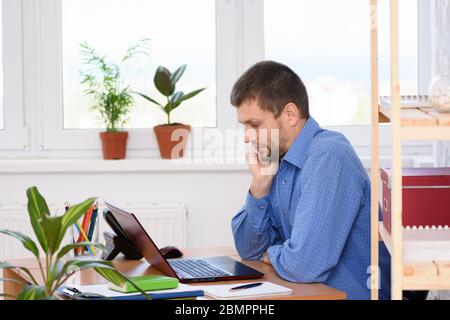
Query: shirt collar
{"points": [[298, 151]]}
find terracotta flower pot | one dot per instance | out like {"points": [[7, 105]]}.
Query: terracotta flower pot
{"points": [[172, 140], [114, 145]]}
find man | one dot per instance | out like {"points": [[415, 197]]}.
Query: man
{"points": [[308, 213]]}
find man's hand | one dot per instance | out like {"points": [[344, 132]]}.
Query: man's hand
{"points": [[266, 259], [262, 173]]}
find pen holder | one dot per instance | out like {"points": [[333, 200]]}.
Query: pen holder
{"points": [[86, 230]]}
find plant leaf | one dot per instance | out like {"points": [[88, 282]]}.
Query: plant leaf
{"points": [[176, 96], [33, 292], [186, 97], [53, 229], [191, 94], [162, 81], [118, 279], [75, 212], [29, 244], [149, 99], [37, 208], [86, 264], [13, 280], [177, 74], [7, 265], [64, 250]]}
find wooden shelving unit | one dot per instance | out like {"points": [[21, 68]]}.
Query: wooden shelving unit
{"points": [[419, 123]]}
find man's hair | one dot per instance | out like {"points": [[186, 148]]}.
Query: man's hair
{"points": [[273, 85]]}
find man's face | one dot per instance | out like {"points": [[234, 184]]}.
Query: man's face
{"points": [[262, 130]]}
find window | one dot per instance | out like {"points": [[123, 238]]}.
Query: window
{"points": [[12, 133], [326, 42], [180, 32], [2, 124]]}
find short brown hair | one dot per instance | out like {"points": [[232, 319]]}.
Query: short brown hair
{"points": [[273, 85]]}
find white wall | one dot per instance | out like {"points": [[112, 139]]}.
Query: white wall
{"points": [[211, 197]]}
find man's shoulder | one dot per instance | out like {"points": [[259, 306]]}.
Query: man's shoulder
{"points": [[328, 143]]}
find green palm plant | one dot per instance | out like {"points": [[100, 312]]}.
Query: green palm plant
{"points": [[103, 79], [166, 82], [55, 267]]}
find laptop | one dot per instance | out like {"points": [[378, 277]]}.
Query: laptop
{"points": [[186, 270]]}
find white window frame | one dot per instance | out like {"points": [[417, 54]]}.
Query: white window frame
{"points": [[53, 139], [14, 135], [359, 135], [239, 44]]}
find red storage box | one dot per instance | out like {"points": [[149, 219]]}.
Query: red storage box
{"points": [[426, 197]]}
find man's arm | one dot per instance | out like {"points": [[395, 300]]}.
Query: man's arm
{"points": [[329, 203], [252, 228]]}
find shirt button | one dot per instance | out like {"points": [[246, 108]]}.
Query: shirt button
{"points": [[283, 181], [285, 212], [261, 207]]}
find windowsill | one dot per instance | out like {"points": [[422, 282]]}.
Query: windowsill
{"points": [[20, 166], [23, 166]]}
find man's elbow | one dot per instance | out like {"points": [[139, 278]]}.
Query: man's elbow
{"points": [[294, 271]]}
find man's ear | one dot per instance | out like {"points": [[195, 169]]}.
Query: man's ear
{"points": [[292, 114]]}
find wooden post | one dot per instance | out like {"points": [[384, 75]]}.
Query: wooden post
{"points": [[375, 150], [396, 230]]}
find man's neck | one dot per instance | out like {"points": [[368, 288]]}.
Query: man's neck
{"points": [[295, 132]]}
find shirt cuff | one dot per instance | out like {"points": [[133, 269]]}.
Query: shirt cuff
{"points": [[257, 208]]}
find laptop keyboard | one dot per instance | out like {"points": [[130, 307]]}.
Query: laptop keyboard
{"points": [[197, 268]]}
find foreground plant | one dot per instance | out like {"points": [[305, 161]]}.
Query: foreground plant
{"points": [[55, 268]]}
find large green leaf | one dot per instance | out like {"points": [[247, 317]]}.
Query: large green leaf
{"points": [[162, 81], [149, 99], [53, 231], [191, 94], [29, 244], [12, 280], [176, 96], [83, 264], [37, 209], [75, 213], [118, 279], [64, 250], [177, 74], [7, 265], [33, 292]]}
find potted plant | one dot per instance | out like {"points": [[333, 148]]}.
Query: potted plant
{"points": [[110, 97], [172, 137], [55, 267]]}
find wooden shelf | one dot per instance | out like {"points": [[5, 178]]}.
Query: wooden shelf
{"points": [[420, 124], [424, 116], [426, 274]]}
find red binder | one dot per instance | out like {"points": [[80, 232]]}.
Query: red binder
{"points": [[426, 197]]}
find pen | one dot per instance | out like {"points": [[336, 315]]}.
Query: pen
{"points": [[247, 286]]}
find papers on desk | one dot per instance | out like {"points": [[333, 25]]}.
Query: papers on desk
{"points": [[223, 292], [182, 292]]}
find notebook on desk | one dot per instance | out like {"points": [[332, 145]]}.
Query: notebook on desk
{"points": [[222, 292], [183, 291]]}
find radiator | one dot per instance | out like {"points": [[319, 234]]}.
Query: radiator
{"points": [[165, 223]]}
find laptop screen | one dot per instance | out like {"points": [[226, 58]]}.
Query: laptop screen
{"points": [[139, 237]]}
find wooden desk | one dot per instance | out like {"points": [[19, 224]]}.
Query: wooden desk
{"points": [[301, 291]]}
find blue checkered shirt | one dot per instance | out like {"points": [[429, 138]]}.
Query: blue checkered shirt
{"points": [[315, 222]]}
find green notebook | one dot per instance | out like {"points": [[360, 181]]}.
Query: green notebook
{"points": [[146, 283]]}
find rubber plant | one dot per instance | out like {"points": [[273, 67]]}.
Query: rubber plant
{"points": [[172, 137], [110, 97], [54, 264]]}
